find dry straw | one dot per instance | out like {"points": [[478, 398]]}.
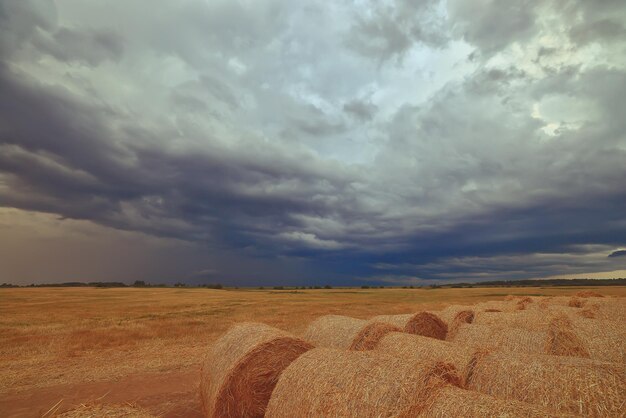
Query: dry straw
{"points": [[451, 401], [418, 348], [423, 323], [483, 337], [588, 294], [242, 368], [612, 309], [535, 379], [105, 411], [563, 341], [334, 331], [562, 384], [338, 383], [534, 320], [604, 340], [495, 306]]}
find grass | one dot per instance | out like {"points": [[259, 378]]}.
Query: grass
{"points": [[51, 336]]}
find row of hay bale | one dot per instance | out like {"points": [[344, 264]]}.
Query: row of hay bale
{"points": [[432, 363]]}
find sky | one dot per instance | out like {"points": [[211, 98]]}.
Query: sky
{"points": [[287, 142]]}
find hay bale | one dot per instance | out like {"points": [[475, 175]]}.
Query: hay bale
{"points": [[451, 401], [423, 323], [534, 320], [612, 309], [242, 368], [343, 332], [588, 294], [105, 411], [562, 384], [604, 340], [495, 306], [337, 383], [593, 378], [418, 348], [562, 341], [483, 337], [455, 316]]}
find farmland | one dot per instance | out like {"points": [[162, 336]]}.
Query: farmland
{"points": [[60, 347]]}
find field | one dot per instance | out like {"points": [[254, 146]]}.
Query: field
{"points": [[60, 347]]}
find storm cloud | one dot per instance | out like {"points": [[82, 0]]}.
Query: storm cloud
{"points": [[294, 142]]}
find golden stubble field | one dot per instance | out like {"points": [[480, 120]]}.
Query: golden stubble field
{"points": [[67, 337]]}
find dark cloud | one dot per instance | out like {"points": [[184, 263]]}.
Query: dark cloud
{"points": [[618, 253], [243, 130]]}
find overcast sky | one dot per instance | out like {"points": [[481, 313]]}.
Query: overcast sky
{"points": [[294, 142]]}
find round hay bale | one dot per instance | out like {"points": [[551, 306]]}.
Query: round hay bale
{"points": [[451, 401], [516, 340], [562, 384], [398, 320], [423, 323], [534, 320], [612, 309], [343, 332], [242, 368], [495, 306], [427, 324], [562, 341], [450, 313], [576, 302], [455, 317], [337, 383], [604, 340], [588, 294], [418, 348]]}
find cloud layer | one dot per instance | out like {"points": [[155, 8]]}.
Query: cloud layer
{"points": [[322, 142]]}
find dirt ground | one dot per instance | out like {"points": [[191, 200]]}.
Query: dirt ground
{"points": [[62, 347]]}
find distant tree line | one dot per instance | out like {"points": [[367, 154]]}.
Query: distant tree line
{"points": [[495, 283]]}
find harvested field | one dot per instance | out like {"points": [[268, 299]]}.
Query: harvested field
{"points": [[68, 349]]}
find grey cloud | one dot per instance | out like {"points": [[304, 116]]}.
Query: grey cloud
{"points": [[389, 30], [361, 109], [601, 30], [618, 253], [492, 25], [88, 46], [21, 19]]}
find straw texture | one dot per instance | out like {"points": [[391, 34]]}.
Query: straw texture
{"points": [[423, 323], [343, 332], [495, 306], [105, 411], [451, 401], [562, 384], [530, 319], [242, 368], [484, 337], [338, 383], [418, 348], [604, 340]]}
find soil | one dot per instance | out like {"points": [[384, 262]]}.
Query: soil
{"points": [[167, 395]]}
